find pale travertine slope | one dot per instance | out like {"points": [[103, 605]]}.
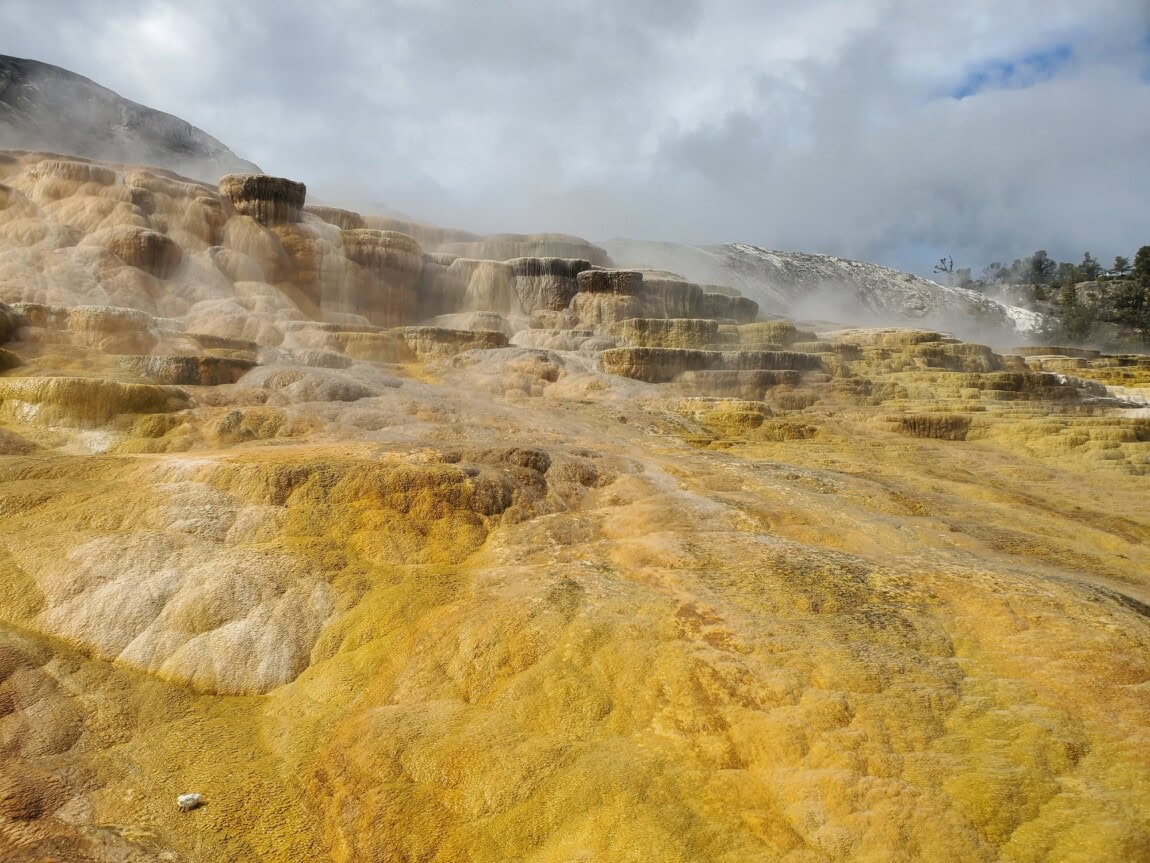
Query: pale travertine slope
{"points": [[398, 556]]}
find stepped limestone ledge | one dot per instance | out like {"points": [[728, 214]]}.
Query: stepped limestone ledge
{"points": [[150, 251], [84, 402], [506, 247], [668, 333], [381, 286], [344, 219], [659, 365], [395, 542]]}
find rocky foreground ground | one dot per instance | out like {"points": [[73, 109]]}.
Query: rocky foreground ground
{"points": [[411, 547]]}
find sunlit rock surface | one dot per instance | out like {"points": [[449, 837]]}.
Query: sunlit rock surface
{"points": [[396, 554]]}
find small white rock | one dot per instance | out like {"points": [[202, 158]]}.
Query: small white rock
{"points": [[188, 802]]}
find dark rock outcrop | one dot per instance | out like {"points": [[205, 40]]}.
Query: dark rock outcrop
{"points": [[546, 284], [620, 283], [937, 426], [268, 200]]}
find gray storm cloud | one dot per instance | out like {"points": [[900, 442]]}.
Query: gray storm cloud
{"points": [[889, 131]]}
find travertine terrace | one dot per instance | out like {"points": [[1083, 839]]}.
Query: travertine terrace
{"points": [[397, 544]]}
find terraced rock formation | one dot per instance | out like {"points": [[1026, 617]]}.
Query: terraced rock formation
{"points": [[390, 554]]}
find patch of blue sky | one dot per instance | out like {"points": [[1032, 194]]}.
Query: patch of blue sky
{"points": [[1015, 74], [1145, 76]]}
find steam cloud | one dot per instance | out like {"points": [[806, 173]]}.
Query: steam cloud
{"points": [[886, 132]]}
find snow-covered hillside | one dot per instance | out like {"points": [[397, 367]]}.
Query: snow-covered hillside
{"points": [[832, 288]]}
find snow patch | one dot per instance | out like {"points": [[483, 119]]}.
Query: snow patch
{"points": [[1024, 320]]}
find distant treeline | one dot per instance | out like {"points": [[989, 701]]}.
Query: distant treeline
{"points": [[1079, 298]]}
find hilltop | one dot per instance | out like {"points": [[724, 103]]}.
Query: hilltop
{"points": [[44, 107]]}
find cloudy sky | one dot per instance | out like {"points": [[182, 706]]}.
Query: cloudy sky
{"points": [[893, 131]]}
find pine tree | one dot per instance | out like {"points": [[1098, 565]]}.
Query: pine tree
{"points": [[1040, 267], [1090, 266], [1076, 319], [1141, 271], [1132, 301]]}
